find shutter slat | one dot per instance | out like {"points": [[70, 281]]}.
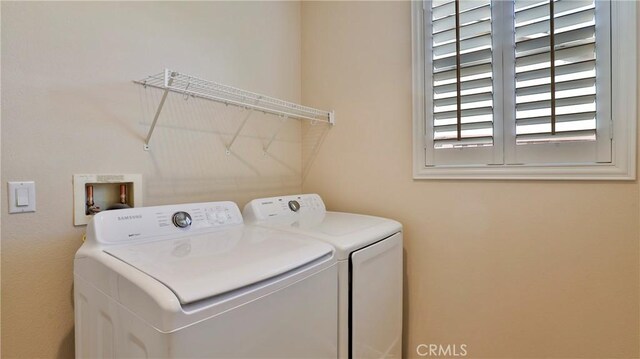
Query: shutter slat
{"points": [[465, 6], [541, 11], [464, 85], [545, 104], [469, 59], [545, 128], [448, 9], [478, 14], [578, 116], [567, 55], [482, 111], [438, 3], [454, 120], [464, 100], [466, 126], [543, 132], [466, 74], [573, 68], [580, 36], [475, 43], [574, 136], [520, 5], [481, 129], [563, 23], [560, 86], [571, 54], [471, 30]]}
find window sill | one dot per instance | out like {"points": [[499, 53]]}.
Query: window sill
{"points": [[593, 172]]}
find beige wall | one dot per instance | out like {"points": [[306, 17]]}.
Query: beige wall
{"points": [[68, 106], [513, 269]]}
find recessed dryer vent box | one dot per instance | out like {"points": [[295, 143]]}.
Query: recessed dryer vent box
{"points": [[107, 191]]}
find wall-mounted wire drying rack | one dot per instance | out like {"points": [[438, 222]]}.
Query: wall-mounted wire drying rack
{"points": [[187, 85]]}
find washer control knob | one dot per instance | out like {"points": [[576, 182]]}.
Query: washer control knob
{"points": [[181, 219], [294, 206]]}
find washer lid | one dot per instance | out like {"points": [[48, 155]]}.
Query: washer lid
{"points": [[206, 265]]}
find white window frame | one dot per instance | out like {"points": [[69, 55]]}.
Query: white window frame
{"points": [[623, 115]]}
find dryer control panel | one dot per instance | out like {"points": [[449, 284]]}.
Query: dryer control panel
{"points": [[283, 207], [127, 225]]}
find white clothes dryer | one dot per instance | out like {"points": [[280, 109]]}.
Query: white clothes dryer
{"points": [[370, 266], [192, 280]]}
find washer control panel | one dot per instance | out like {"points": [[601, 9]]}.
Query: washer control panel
{"points": [[285, 206], [146, 222], [209, 215]]}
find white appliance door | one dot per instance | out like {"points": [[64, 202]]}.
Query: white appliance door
{"points": [[376, 300]]}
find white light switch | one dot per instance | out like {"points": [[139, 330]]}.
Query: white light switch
{"points": [[22, 197]]}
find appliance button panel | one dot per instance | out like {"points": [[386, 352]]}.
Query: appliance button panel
{"points": [[218, 216], [200, 217], [286, 206]]}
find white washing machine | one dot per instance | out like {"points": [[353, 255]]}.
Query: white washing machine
{"points": [[369, 251], [192, 280]]}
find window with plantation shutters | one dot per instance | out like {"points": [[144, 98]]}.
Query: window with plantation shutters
{"points": [[524, 87]]}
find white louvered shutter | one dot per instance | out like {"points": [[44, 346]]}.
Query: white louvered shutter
{"points": [[524, 88], [562, 110], [461, 101]]}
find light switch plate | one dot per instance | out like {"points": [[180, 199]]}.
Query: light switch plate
{"points": [[22, 197]]}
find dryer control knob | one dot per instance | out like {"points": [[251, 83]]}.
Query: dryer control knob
{"points": [[181, 219], [294, 206]]}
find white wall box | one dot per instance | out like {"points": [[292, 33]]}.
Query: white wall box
{"points": [[93, 193]]}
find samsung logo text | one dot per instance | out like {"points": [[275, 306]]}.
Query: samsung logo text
{"points": [[128, 218]]}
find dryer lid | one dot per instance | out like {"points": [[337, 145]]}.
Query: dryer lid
{"points": [[202, 266], [347, 232], [337, 224]]}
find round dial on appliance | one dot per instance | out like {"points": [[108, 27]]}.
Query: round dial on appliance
{"points": [[294, 206], [181, 219]]}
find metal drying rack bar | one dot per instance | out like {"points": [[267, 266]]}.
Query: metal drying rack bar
{"points": [[172, 81]]}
